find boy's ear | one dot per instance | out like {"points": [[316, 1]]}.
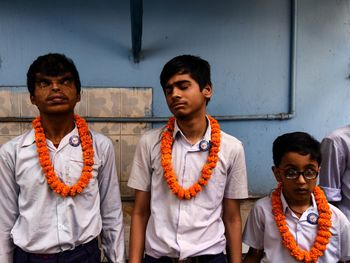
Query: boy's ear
{"points": [[32, 99], [276, 173], [207, 91]]}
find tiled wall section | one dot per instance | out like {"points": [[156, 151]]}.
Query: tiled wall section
{"points": [[95, 102]]}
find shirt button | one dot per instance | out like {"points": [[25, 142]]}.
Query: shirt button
{"points": [[298, 228]]}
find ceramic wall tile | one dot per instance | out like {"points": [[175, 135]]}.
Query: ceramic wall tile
{"points": [[81, 107], [134, 128], [10, 128], [104, 102], [27, 108], [9, 102], [26, 126], [136, 102], [107, 128], [116, 144], [128, 146]]}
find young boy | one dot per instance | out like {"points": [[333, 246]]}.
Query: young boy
{"points": [[188, 177], [58, 183], [295, 223]]}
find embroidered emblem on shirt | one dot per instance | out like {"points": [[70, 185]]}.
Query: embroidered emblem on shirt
{"points": [[74, 140], [204, 145], [312, 218]]}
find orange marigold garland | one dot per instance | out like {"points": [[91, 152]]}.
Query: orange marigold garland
{"points": [[44, 158], [207, 170], [323, 232]]}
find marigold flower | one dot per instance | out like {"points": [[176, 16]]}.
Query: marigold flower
{"points": [[197, 187], [187, 194], [181, 193], [202, 182], [192, 191]]}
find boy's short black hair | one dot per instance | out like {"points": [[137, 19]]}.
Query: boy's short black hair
{"points": [[196, 67], [298, 142], [53, 65]]}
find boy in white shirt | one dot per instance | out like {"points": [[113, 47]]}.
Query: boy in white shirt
{"points": [[188, 177], [58, 184], [296, 223]]}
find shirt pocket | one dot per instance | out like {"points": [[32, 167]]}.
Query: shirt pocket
{"points": [[75, 168], [212, 194]]}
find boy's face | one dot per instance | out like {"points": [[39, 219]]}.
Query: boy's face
{"points": [[184, 97], [298, 190], [55, 95]]}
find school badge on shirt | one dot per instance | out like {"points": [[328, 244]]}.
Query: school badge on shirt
{"points": [[204, 145], [312, 218], [74, 140]]}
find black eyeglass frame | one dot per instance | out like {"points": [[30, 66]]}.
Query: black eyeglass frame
{"points": [[292, 173]]}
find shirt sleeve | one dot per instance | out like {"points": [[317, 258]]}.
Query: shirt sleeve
{"points": [[237, 182], [253, 233], [112, 235], [332, 168], [140, 175], [8, 206]]}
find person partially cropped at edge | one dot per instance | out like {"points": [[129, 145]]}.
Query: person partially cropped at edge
{"points": [[296, 223], [188, 177], [335, 168], [58, 183]]}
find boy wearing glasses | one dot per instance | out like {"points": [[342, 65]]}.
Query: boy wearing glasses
{"points": [[296, 223]]}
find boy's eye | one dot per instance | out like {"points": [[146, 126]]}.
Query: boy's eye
{"points": [[168, 91], [310, 172], [67, 82], [183, 86], [43, 83], [291, 172]]}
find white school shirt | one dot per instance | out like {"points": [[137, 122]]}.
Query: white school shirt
{"points": [[38, 220], [261, 232], [193, 227], [335, 168]]}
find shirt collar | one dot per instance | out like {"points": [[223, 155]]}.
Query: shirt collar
{"points": [[285, 206], [207, 135], [29, 139]]}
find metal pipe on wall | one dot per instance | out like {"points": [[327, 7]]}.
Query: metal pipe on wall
{"points": [[274, 116]]}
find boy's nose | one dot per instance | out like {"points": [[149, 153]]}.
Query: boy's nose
{"points": [[176, 92], [55, 85], [301, 179]]}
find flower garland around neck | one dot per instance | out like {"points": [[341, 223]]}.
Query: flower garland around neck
{"points": [[44, 158], [323, 233], [207, 170]]}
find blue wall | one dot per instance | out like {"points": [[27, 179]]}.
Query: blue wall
{"points": [[246, 42]]}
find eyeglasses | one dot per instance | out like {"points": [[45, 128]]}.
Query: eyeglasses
{"points": [[292, 173]]}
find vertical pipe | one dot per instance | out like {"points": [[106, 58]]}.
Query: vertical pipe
{"points": [[293, 48], [136, 14]]}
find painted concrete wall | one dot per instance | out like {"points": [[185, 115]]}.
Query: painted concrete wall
{"points": [[246, 42]]}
